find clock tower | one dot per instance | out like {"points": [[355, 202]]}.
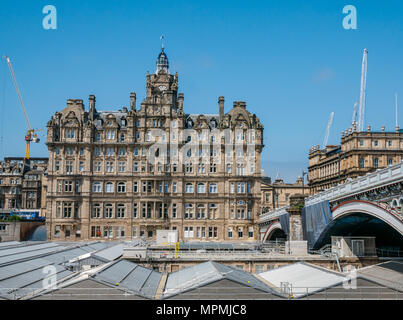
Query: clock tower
{"points": [[162, 88]]}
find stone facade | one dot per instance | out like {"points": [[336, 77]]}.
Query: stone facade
{"points": [[130, 172], [21, 183], [358, 154], [277, 194]]}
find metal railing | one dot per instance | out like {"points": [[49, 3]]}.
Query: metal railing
{"points": [[286, 292]]}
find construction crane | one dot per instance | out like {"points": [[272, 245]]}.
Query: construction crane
{"points": [[397, 123], [329, 124], [31, 133], [363, 89], [354, 120]]}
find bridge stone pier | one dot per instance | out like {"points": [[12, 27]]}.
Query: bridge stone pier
{"points": [[296, 245], [371, 205]]}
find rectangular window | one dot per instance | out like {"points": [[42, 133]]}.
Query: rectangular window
{"points": [[174, 187], [121, 152], [68, 186], [135, 167], [390, 161], [122, 166], [98, 151], [376, 162], [135, 187], [240, 232], [97, 166], [109, 166], [210, 232], [230, 232], [241, 187], [110, 152], [135, 210], [110, 134], [57, 165], [69, 167], [81, 166], [134, 235], [174, 211]]}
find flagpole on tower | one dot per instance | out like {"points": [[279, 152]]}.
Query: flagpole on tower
{"points": [[162, 41]]}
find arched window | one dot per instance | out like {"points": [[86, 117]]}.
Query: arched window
{"points": [[108, 212], [201, 211], [201, 188], [121, 211], [189, 211], [122, 137], [109, 187], [189, 188], [121, 187], [96, 187], [189, 153], [96, 210]]}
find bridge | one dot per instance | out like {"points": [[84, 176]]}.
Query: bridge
{"points": [[371, 205]]}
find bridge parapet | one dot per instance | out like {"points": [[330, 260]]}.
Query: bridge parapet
{"points": [[269, 216], [379, 178]]}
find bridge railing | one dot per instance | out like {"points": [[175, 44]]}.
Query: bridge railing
{"points": [[371, 180], [272, 214]]}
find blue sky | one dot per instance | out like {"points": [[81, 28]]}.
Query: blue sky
{"points": [[291, 61]]}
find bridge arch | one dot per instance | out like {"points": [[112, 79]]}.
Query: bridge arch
{"points": [[274, 228], [363, 218], [372, 209]]}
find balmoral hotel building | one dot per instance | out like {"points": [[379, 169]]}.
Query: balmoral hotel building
{"points": [[127, 173], [358, 154]]}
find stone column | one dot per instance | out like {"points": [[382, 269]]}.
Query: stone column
{"points": [[296, 245]]}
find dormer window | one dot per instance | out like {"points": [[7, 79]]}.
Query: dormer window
{"points": [[123, 122], [213, 124], [110, 134], [70, 133], [190, 123]]}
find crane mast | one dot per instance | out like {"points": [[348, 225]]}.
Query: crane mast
{"points": [[31, 133], [354, 120], [329, 124], [363, 89]]}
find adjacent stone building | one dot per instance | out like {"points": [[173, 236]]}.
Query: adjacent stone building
{"points": [[277, 194], [129, 172], [21, 183], [358, 154]]}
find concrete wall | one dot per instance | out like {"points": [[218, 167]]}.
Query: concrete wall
{"points": [[18, 230]]}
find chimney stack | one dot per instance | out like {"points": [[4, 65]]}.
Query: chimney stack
{"points": [[92, 106], [221, 107], [132, 101], [180, 102]]}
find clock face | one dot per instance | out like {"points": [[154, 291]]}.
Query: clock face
{"points": [[162, 88]]}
